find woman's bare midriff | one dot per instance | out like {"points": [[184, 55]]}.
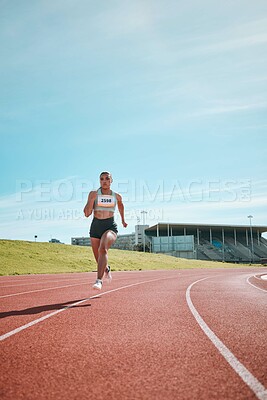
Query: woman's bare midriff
{"points": [[103, 214]]}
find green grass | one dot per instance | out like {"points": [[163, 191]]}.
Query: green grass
{"points": [[21, 257]]}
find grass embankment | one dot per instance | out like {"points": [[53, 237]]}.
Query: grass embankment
{"points": [[21, 257]]}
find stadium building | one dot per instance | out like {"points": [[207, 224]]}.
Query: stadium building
{"points": [[229, 243]]}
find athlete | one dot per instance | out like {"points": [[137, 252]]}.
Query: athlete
{"points": [[103, 230]]}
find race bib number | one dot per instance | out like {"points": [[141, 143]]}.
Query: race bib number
{"points": [[105, 201]]}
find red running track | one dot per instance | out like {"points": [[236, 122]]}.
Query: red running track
{"points": [[187, 334]]}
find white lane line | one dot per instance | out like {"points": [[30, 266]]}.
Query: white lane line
{"points": [[264, 277], [259, 390], [42, 290], [36, 321], [40, 282], [248, 281], [51, 288]]}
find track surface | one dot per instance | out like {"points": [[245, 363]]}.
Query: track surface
{"points": [[187, 334]]}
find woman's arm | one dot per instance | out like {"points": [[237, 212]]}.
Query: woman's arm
{"points": [[88, 209], [121, 209]]}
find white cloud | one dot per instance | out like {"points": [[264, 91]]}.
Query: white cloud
{"points": [[234, 44], [230, 38], [229, 108]]}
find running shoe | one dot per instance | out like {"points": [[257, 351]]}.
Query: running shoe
{"points": [[107, 274], [98, 284]]}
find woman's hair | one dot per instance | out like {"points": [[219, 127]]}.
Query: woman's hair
{"points": [[105, 173]]}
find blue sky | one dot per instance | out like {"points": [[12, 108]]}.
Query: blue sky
{"points": [[171, 97]]}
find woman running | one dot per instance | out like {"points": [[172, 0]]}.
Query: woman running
{"points": [[103, 231]]}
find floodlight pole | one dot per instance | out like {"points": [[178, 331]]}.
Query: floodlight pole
{"points": [[251, 238], [144, 238]]}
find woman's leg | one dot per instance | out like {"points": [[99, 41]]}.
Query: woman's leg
{"points": [[95, 246], [107, 239]]}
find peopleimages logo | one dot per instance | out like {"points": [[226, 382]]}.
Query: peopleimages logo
{"points": [[65, 199], [194, 191], [64, 214], [46, 214], [53, 191], [137, 191]]}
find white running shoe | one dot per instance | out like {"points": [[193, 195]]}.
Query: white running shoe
{"points": [[98, 284], [107, 274]]}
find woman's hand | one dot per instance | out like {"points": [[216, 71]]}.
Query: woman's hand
{"points": [[86, 211]]}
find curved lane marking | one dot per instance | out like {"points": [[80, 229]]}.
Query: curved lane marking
{"points": [[264, 277], [259, 390], [36, 321], [248, 281]]}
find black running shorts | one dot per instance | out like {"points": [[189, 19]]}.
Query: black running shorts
{"points": [[100, 226]]}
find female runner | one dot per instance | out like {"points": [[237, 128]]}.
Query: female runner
{"points": [[103, 230]]}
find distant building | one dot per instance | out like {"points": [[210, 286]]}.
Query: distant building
{"points": [[123, 242], [55, 241], [81, 241], [140, 236]]}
